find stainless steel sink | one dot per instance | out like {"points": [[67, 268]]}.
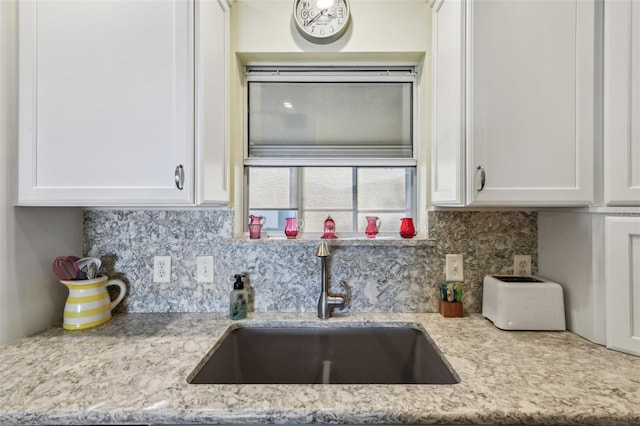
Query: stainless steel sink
{"points": [[331, 355]]}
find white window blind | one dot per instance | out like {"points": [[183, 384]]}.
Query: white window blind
{"points": [[331, 113]]}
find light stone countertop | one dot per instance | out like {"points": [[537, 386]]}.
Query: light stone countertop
{"points": [[133, 370]]}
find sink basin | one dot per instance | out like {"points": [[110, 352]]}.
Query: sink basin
{"points": [[329, 355]]}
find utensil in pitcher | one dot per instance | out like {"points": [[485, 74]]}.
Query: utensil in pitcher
{"points": [[66, 268], [89, 266]]}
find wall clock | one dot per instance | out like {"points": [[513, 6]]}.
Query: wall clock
{"points": [[321, 21]]}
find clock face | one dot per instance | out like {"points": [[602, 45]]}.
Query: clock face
{"points": [[321, 19]]}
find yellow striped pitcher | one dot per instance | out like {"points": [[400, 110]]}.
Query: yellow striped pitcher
{"points": [[89, 303]]}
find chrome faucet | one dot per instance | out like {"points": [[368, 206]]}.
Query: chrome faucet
{"points": [[328, 301]]}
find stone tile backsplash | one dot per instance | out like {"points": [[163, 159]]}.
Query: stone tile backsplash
{"points": [[286, 277]]}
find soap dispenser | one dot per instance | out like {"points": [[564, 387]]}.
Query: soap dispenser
{"points": [[238, 299]]}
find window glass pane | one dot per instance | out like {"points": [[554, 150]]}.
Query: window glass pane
{"points": [[327, 191], [314, 221], [327, 188], [269, 188], [381, 189], [330, 119]]}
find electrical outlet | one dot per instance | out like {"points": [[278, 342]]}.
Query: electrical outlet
{"points": [[521, 264], [453, 268], [161, 269], [204, 266]]}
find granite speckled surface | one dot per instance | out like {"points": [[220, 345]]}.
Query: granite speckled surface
{"points": [[134, 369], [385, 276]]}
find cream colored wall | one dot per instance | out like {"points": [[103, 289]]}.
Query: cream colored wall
{"points": [[266, 26], [399, 31], [31, 298]]}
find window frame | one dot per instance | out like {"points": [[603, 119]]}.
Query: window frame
{"points": [[319, 73], [296, 202]]}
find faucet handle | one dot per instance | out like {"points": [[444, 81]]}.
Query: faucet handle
{"points": [[347, 296]]}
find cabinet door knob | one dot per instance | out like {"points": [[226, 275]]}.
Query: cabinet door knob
{"points": [[482, 178], [179, 177]]}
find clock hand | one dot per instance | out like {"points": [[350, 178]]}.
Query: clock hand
{"points": [[315, 18]]}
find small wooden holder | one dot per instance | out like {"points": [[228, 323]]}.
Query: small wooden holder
{"points": [[450, 309]]}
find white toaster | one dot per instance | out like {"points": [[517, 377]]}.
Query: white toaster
{"points": [[515, 302]]}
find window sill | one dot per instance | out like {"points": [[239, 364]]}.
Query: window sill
{"points": [[337, 242]]}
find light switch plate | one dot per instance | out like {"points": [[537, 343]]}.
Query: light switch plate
{"points": [[454, 268], [204, 266]]}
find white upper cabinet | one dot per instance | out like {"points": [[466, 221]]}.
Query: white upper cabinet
{"points": [[109, 112], [212, 102], [514, 102], [622, 102], [106, 102]]}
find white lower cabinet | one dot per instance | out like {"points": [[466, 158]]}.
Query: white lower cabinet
{"points": [[109, 112], [622, 235], [622, 102], [514, 102], [596, 259]]}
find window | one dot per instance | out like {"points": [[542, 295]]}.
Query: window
{"points": [[330, 141]]}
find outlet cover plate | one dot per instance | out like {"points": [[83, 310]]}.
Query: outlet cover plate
{"points": [[454, 268], [521, 264], [161, 269]]}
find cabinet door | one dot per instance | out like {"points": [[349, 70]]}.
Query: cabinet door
{"points": [[212, 101], [530, 112], [622, 102], [622, 263], [106, 102], [447, 153]]}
